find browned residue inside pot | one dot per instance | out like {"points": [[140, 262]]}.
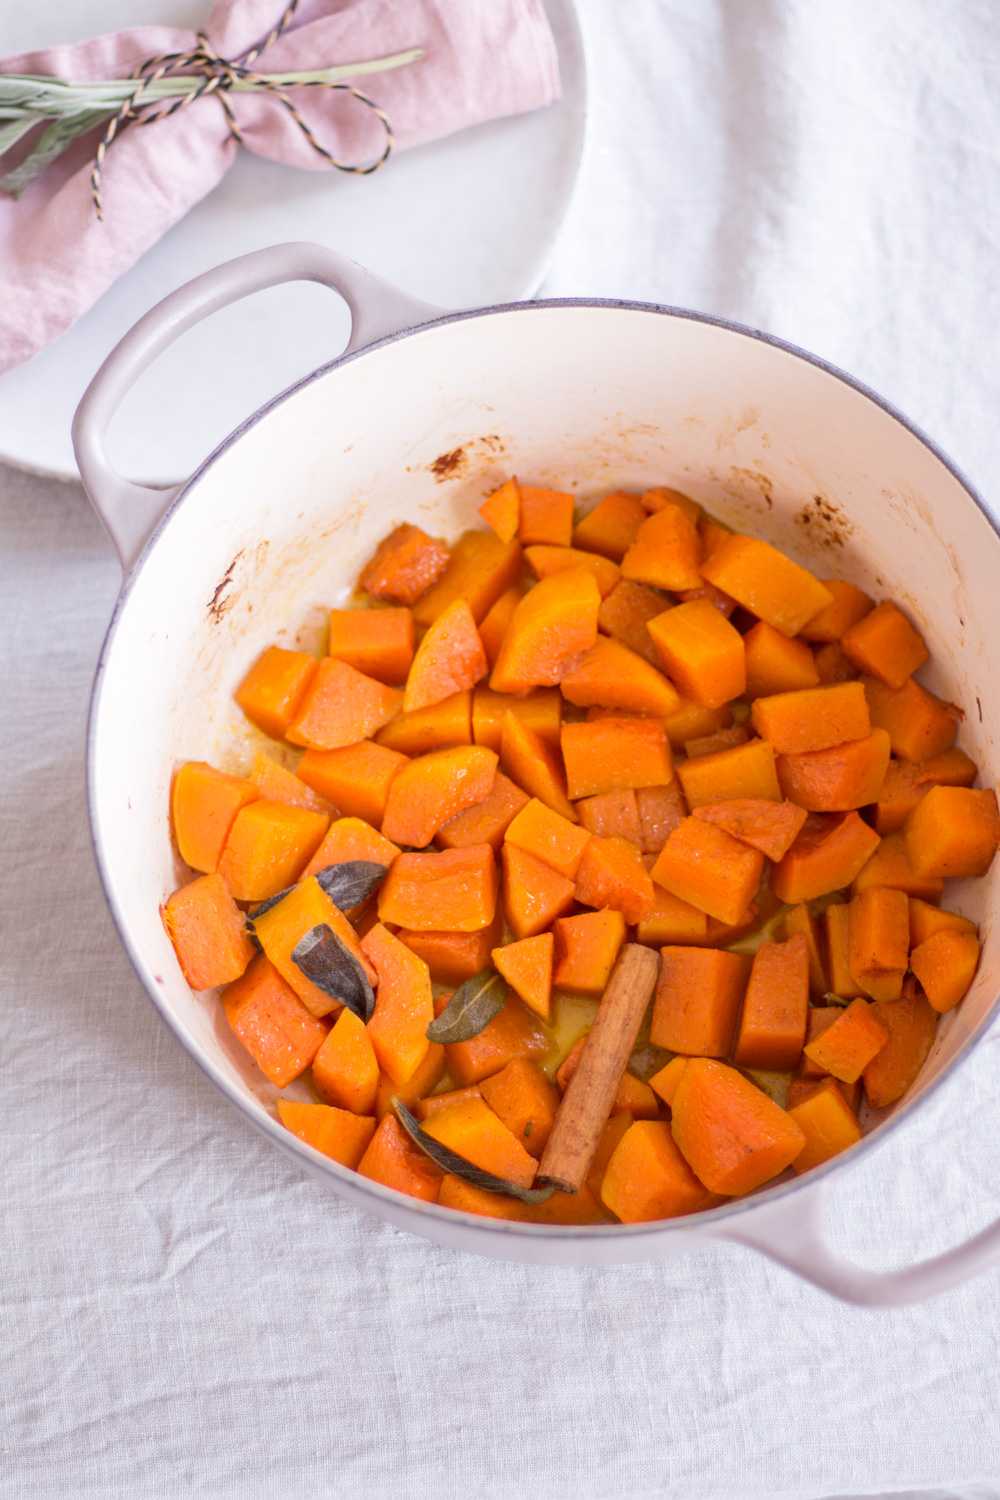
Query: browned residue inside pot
{"points": [[824, 521]]}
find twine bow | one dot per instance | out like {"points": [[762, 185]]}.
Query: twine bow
{"points": [[219, 76]]}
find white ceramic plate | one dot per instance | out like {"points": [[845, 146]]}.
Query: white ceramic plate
{"points": [[461, 223]]}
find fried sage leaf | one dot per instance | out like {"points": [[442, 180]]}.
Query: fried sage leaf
{"points": [[450, 1161], [470, 1009], [332, 967], [350, 883]]}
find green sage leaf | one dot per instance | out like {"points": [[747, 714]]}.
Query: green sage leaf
{"points": [[326, 960], [51, 143], [470, 1009], [458, 1166], [350, 883]]}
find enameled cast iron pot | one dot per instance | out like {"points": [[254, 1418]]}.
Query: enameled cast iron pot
{"points": [[422, 416]]}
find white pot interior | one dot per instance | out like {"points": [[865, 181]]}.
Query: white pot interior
{"points": [[589, 398]]}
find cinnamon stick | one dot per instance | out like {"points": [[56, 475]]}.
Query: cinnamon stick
{"points": [[587, 1102]]}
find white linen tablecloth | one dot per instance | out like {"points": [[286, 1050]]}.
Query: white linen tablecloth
{"points": [[186, 1314]]}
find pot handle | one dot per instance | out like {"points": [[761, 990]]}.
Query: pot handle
{"points": [[132, 511], [791, 1233]]}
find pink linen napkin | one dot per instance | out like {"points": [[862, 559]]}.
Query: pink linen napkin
{"points": [[483, 59]]}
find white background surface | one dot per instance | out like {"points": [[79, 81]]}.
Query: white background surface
{"points": [[184, 1314]]}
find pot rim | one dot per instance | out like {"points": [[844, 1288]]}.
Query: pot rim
{"points": [[709, 1221]]}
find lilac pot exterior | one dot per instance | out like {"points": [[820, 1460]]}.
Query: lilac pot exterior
{"points": [[423, 416]]}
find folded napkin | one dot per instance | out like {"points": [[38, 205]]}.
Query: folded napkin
{"points": [[483, 59]]}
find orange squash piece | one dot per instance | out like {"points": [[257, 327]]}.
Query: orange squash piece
{"points": [[586, 948], [446, 723], [926, 920], [553, 623], [405, 564], [540, 711], [832, 665], [378, 642], [733, 1137], [449, 659], [826, 856], [712, 533], [544, 561], [612, 874], [493, 626], [907, 782], [847, 1046], [527, 967], [615, 754], [849, 605], [771, 827], [550, 837], [701, 651], [345, 1069], [910, 1024], [203, 804], [776, 663], [454, 891], [706, 866], [488, 821], [812, 718], [711, 744], [335, 1132], [801, 1089], [829, 1126], [692, 721], [417, 1087], [919, 725], [546, 517], [611, 675], [453, 957], [502, 511], [634, 1095], [535, 765], [534, 895], [945, 964], [273, 689], [837, 931], [839, 779], [661, 495], [525, 1100], [661, 810], [697, 1000], [821, 1018], [648, 1178], [626, 613], [606, 1146], [268, 847], [272, 1023], [666, 1080], [482, 567], [671, 921], [953, 831], [766, 582], [432, 789], [667, 551], [277, 784], [879, 938], [890, 866], [355, 779], [611, 527], [403, 1006], [800, 919], [614, 815], [280, 929], [884, 645], [393, 1160], [463, 1198], [349, 839], [746, 771], [342, 706], [424, 1108], [512, 1034], [772, 1028]]}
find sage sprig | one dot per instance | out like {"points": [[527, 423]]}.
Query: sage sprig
{"points": [[470, 1009], [460, 1166], [70, 110]]}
